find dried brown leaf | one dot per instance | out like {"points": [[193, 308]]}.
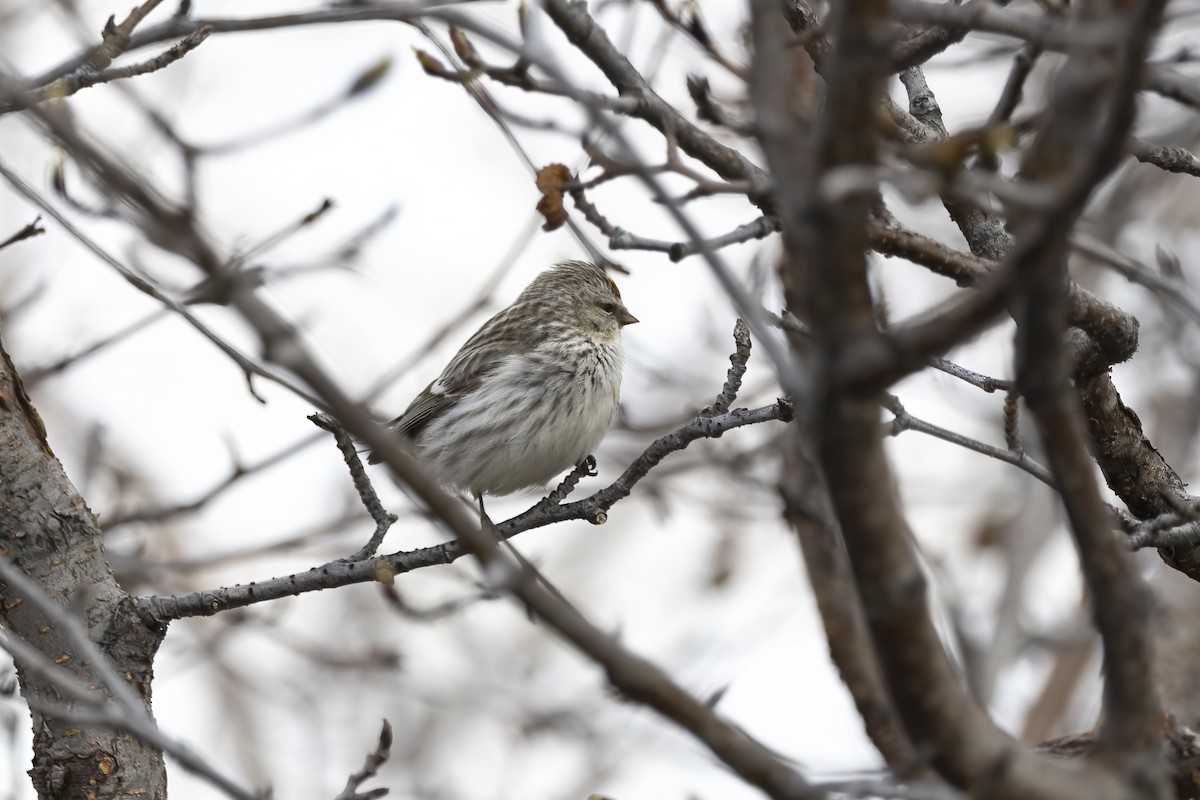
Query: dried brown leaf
{"points": [[551, 180]]}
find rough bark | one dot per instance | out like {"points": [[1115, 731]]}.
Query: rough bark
{"points": [[47, 530]]}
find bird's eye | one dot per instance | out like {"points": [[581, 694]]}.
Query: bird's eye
{"points": [[608, 308]]}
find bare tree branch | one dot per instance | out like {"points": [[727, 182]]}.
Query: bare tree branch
{"points": [[547, 512], [375, 759], [903, 421], [1085, 86], [1170, 159], [825, 278], [979, 15], [87, 76], [362, 484]]}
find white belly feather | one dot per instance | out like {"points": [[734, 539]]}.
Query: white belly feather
{"points": [[526, 423]]}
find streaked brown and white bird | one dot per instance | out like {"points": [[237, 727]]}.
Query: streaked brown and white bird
{"points": [[531, 393]]}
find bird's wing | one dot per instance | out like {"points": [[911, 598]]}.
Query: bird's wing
{"points": [[482, 354], [425, 407]]}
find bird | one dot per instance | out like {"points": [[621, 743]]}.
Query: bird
{"points": [[530, 394]]}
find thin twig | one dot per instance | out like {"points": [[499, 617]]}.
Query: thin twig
{"points": [[248, 365], [85, 79], [903, 421], [621, 239], [28, 232], [36, 375], [384, 519], [238, 473], [1173, 291], [370, 768], [985, 382], [1172, 159], [737, 368]]}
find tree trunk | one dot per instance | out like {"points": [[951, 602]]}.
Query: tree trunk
{"points": [[47, 531]]}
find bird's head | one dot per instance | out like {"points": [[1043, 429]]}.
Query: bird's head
{"points": [[582, 295]]}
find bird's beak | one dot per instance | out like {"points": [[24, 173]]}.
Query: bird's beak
{"points": [[624, 317]]}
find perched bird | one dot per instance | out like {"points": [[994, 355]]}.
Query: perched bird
{"points": [[531, 393]]}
